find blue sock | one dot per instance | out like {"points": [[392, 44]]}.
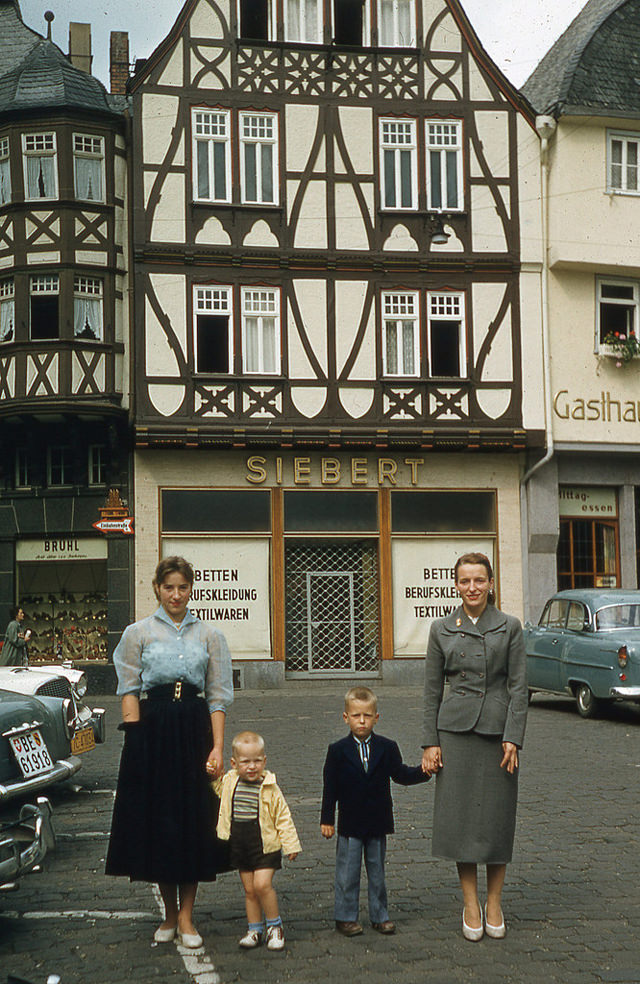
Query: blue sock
{"points": [[274, 922], [258, 927]]}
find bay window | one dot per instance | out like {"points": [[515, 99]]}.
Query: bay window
{"points": [[87, 308], [88, 167], [40, 165], [7, 310], [44, 314], [5, 171]]}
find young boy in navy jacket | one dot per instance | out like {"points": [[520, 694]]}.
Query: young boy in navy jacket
{"points": [[356, 777]]}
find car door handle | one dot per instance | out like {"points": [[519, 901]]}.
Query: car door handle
{"points": [[554, 642]]}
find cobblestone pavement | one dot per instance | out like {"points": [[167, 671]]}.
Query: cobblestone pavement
{"points": [[572, 899]]}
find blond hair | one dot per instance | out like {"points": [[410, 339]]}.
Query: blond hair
{"points": [[360, 693], [246, 738]]}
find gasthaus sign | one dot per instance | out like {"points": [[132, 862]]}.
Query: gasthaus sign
{"points": [[230, 589]]}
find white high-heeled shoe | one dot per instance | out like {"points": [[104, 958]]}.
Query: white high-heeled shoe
{"points": [[496, 932], [190, 940], [473, 933], [164, 935]]}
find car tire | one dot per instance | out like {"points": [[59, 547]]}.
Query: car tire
{"points": [[586, 703]]}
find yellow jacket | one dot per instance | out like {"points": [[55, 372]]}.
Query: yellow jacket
{"points": [[276, 826]]}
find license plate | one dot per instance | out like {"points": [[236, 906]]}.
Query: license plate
{"points": [[32, 754], [83, 741]]}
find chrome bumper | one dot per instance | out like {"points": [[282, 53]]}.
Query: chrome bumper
{"points": [[63, 769], [626, 693], [24, 844]]}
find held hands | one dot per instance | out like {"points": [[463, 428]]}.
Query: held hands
{"points": [[215, 763], [327, 830], [510, 757], [432, 760], [293, 856]]}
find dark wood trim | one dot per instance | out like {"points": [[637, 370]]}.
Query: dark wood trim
{"points": [[278, 628], [385, 578]]}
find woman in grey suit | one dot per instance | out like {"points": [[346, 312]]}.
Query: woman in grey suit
{"points": [[472, 736]]}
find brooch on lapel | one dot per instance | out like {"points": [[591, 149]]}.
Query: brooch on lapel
{"points": [[458, 622]]}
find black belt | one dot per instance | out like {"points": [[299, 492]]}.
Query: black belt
{"points": [[173, 691]]}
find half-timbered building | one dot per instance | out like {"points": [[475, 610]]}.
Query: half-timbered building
{"points": [[337, 280], [63, 345]]}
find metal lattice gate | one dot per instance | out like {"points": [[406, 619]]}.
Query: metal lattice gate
{"points": [[332, 608]]}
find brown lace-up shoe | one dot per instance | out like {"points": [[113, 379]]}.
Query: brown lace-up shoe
{"points": [[348, 928]]}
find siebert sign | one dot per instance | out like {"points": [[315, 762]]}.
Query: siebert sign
{"points": [[301, 470]]}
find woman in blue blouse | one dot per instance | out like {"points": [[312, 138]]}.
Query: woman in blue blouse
{"points": [[164, 820]]}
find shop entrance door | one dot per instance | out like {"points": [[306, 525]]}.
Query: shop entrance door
{"points": [[332, 608]]}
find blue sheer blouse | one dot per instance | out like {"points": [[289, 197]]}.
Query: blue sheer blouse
{"points": [[156, 650]]}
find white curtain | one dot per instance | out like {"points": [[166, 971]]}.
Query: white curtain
{"points": [[41, 177], [5, 182], [87, 317], [7, 320], [252, 345], [408, 350], [269, 344], [88, 179]]}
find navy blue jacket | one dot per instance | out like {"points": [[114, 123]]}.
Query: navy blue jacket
{"points": [[365, 807]]}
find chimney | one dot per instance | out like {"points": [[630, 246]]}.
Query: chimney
{"points": [[80, 46], [119, 61]]}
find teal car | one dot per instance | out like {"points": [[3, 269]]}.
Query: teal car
{"points": [[587, 645]]}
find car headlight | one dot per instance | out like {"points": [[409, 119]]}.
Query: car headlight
{"points": [[68, 717], [81, 686]]}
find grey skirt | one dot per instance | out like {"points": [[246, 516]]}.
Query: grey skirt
{"points": [[474, 816]]}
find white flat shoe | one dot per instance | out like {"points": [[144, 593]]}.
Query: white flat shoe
{"points": [[496, 932], [190, 940], [162, 935], [473, 933]]}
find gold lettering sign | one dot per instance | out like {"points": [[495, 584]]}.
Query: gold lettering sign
{"points": [[333, 471], [605, 408]]}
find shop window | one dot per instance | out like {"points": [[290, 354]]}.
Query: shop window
{"points": [[5, 171], [216, 511], [256, 20], [330, 512], [588, 554], [398, 163], [87, 308], [7, 310], [303, 20], [44, 315], [260, 330], [444, 164], [40, 165], [97, 464], [60, 465], [348, 22], [617, 310], [88, 167], [396, 23], [638, 535], [400, 351], [211, 155], [259, 158], [623, 160], [443, 512], [213, 329], [446, 334], [23, 469]]}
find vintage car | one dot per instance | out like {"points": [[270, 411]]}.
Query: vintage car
{"points": [[587, 644], [24, 842], [44, 727]]}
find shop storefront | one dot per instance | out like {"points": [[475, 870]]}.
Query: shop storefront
{"points": [[325, 566]]}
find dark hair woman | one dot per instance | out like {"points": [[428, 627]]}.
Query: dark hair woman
{"points": [[164, 815], [472, 736]]}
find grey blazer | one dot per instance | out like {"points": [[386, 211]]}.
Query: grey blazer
{"points": [[485, 667]]}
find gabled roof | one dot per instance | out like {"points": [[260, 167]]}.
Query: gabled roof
{"points": [[594, 67], [16, 39], [46, 78]]}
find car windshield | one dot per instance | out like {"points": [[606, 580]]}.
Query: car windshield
{"points": [[618, 617]]}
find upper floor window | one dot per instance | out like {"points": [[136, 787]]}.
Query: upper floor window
{"points": [[88, 167], [617, 312], [396, 23], [60, 465], [44, 315], [211, 155], [303, 20], [213, 329], [97, 464], [87, 308], [446, 334], [256, 19], [261, 330], [400, 351], [259, 158], [23, 471], [444, 164], [5, 171], [348, 22], [7, 310], [624, 159], [398, 163], [40, 165]]}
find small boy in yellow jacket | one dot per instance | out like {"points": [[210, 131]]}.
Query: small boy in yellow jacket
{"points": [[255, 819]]}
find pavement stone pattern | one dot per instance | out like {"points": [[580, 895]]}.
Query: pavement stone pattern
{"points": [[572, 898]]}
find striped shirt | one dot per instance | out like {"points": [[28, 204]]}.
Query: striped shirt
{"points": [[245, 800]]}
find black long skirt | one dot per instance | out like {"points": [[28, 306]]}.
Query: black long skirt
{"points": [[165, 811]]}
